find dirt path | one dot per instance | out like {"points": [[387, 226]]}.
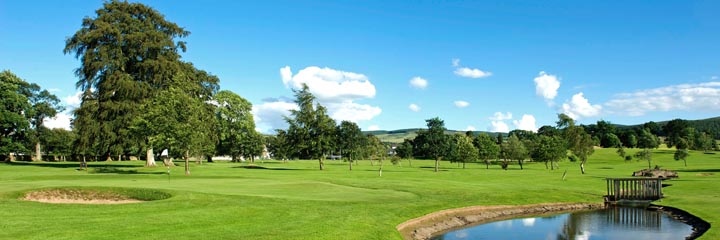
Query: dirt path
{"points": [[431, 224]]}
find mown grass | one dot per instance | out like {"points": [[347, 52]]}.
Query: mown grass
{"points": [[296, 201]]}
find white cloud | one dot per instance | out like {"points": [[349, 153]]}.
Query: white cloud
{"points": [[73, 101], [469, 72], [61, 120], [414, 107], [418, 82], [330, 85], [472, 73], [499, 116], [580, 107], [351, 111], [527, 122], [470, 128], [373, 128], [498, 126], [268, 116], [461, 104], [714, 78], [700, 97], [337, 90], [546, 86], [528, 222]]}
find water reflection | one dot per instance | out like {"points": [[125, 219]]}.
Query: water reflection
{"points": [[613, 223]]}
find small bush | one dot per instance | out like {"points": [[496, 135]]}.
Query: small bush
{"points": [[628, 158]]}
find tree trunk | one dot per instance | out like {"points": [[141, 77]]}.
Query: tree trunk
{"points": [[150, 158], [685, 161], [546, 166], [84, 163], [409, 162], [252, 159], [371, 162], [187, 163], [350, 161], [520, 162], [322, 165], [582, 166], [209, 158], [381, 165], [38, 155], [437, 164], [11, 157], [649, 164], [463, 165]]}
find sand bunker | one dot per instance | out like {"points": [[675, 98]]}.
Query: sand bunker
{"points": [[80, 196]]}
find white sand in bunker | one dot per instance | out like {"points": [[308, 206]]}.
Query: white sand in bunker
{"points": [[78, 197]]}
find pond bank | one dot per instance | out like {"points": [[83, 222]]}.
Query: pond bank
{"points": [[699, 226], [426, 226]]}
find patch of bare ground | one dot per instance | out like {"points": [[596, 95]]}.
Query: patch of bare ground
{"points": [[438, 222], [78, 196]]}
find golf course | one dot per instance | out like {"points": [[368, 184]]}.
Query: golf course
{"points": [[294, 200]]}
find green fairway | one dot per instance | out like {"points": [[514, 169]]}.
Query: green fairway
{"points": [[296, 201]]}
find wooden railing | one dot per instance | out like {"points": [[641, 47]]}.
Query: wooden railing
{"points": [[634, 189]]}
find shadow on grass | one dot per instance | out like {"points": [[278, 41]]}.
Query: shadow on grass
{"points": [[71, 164], [116, 170], [265, 168], [699, 170]]}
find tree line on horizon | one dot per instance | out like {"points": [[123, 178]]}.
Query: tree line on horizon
{"points": [[138, 95]]}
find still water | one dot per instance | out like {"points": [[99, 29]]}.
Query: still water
{"points": [[611, 223]]}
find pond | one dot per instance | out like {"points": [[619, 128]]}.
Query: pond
{"points": [[611, 223]]}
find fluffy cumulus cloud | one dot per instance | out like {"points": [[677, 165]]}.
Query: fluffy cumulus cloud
{"points": [[469, 72], [461, 104], [63, 119], [546, 86], [527, 122], [330, 85], [499, 116], [580, 107], [414, 107], [337, 90], [373, 128], [269, 114], [419, 83], [470, 128], [700, 97], [498, 126]]}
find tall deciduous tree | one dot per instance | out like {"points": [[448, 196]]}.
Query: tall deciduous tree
{"points": [[463, 149], [349, 140], [578, 141], [487, 148], [127, 54], [436, 144], [681, 153], [514, 149], [405, 150], [549, 149], [15, 109], [236, 126]]}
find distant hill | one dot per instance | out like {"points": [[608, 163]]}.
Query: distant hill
{"points": [[711, 125]]}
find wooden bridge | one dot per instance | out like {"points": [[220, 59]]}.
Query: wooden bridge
{"points": [[633, 190]]}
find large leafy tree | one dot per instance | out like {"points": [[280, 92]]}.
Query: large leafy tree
{"points": [[579, 142], [15, 109], [311, 131], [44, 105], [349, 139], [128, 53], [436, 143], [514, 149], [405, 150], [236, 127], [463, 149], [550, 149], [487, 148]]}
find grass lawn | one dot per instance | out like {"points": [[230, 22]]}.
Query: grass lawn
{"points": [[296, 201]]}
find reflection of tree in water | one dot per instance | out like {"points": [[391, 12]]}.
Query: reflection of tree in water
{"points": [[618, 217]]}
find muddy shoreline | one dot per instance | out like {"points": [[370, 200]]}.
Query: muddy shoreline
{"points": [[446, 220]]}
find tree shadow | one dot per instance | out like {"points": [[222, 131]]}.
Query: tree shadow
{"points": [[71, 164], [265, 168], [117, 170], [699, 170], [439, 170]]}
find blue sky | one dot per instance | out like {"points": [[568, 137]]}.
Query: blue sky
{"points": [[486, 65]]}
